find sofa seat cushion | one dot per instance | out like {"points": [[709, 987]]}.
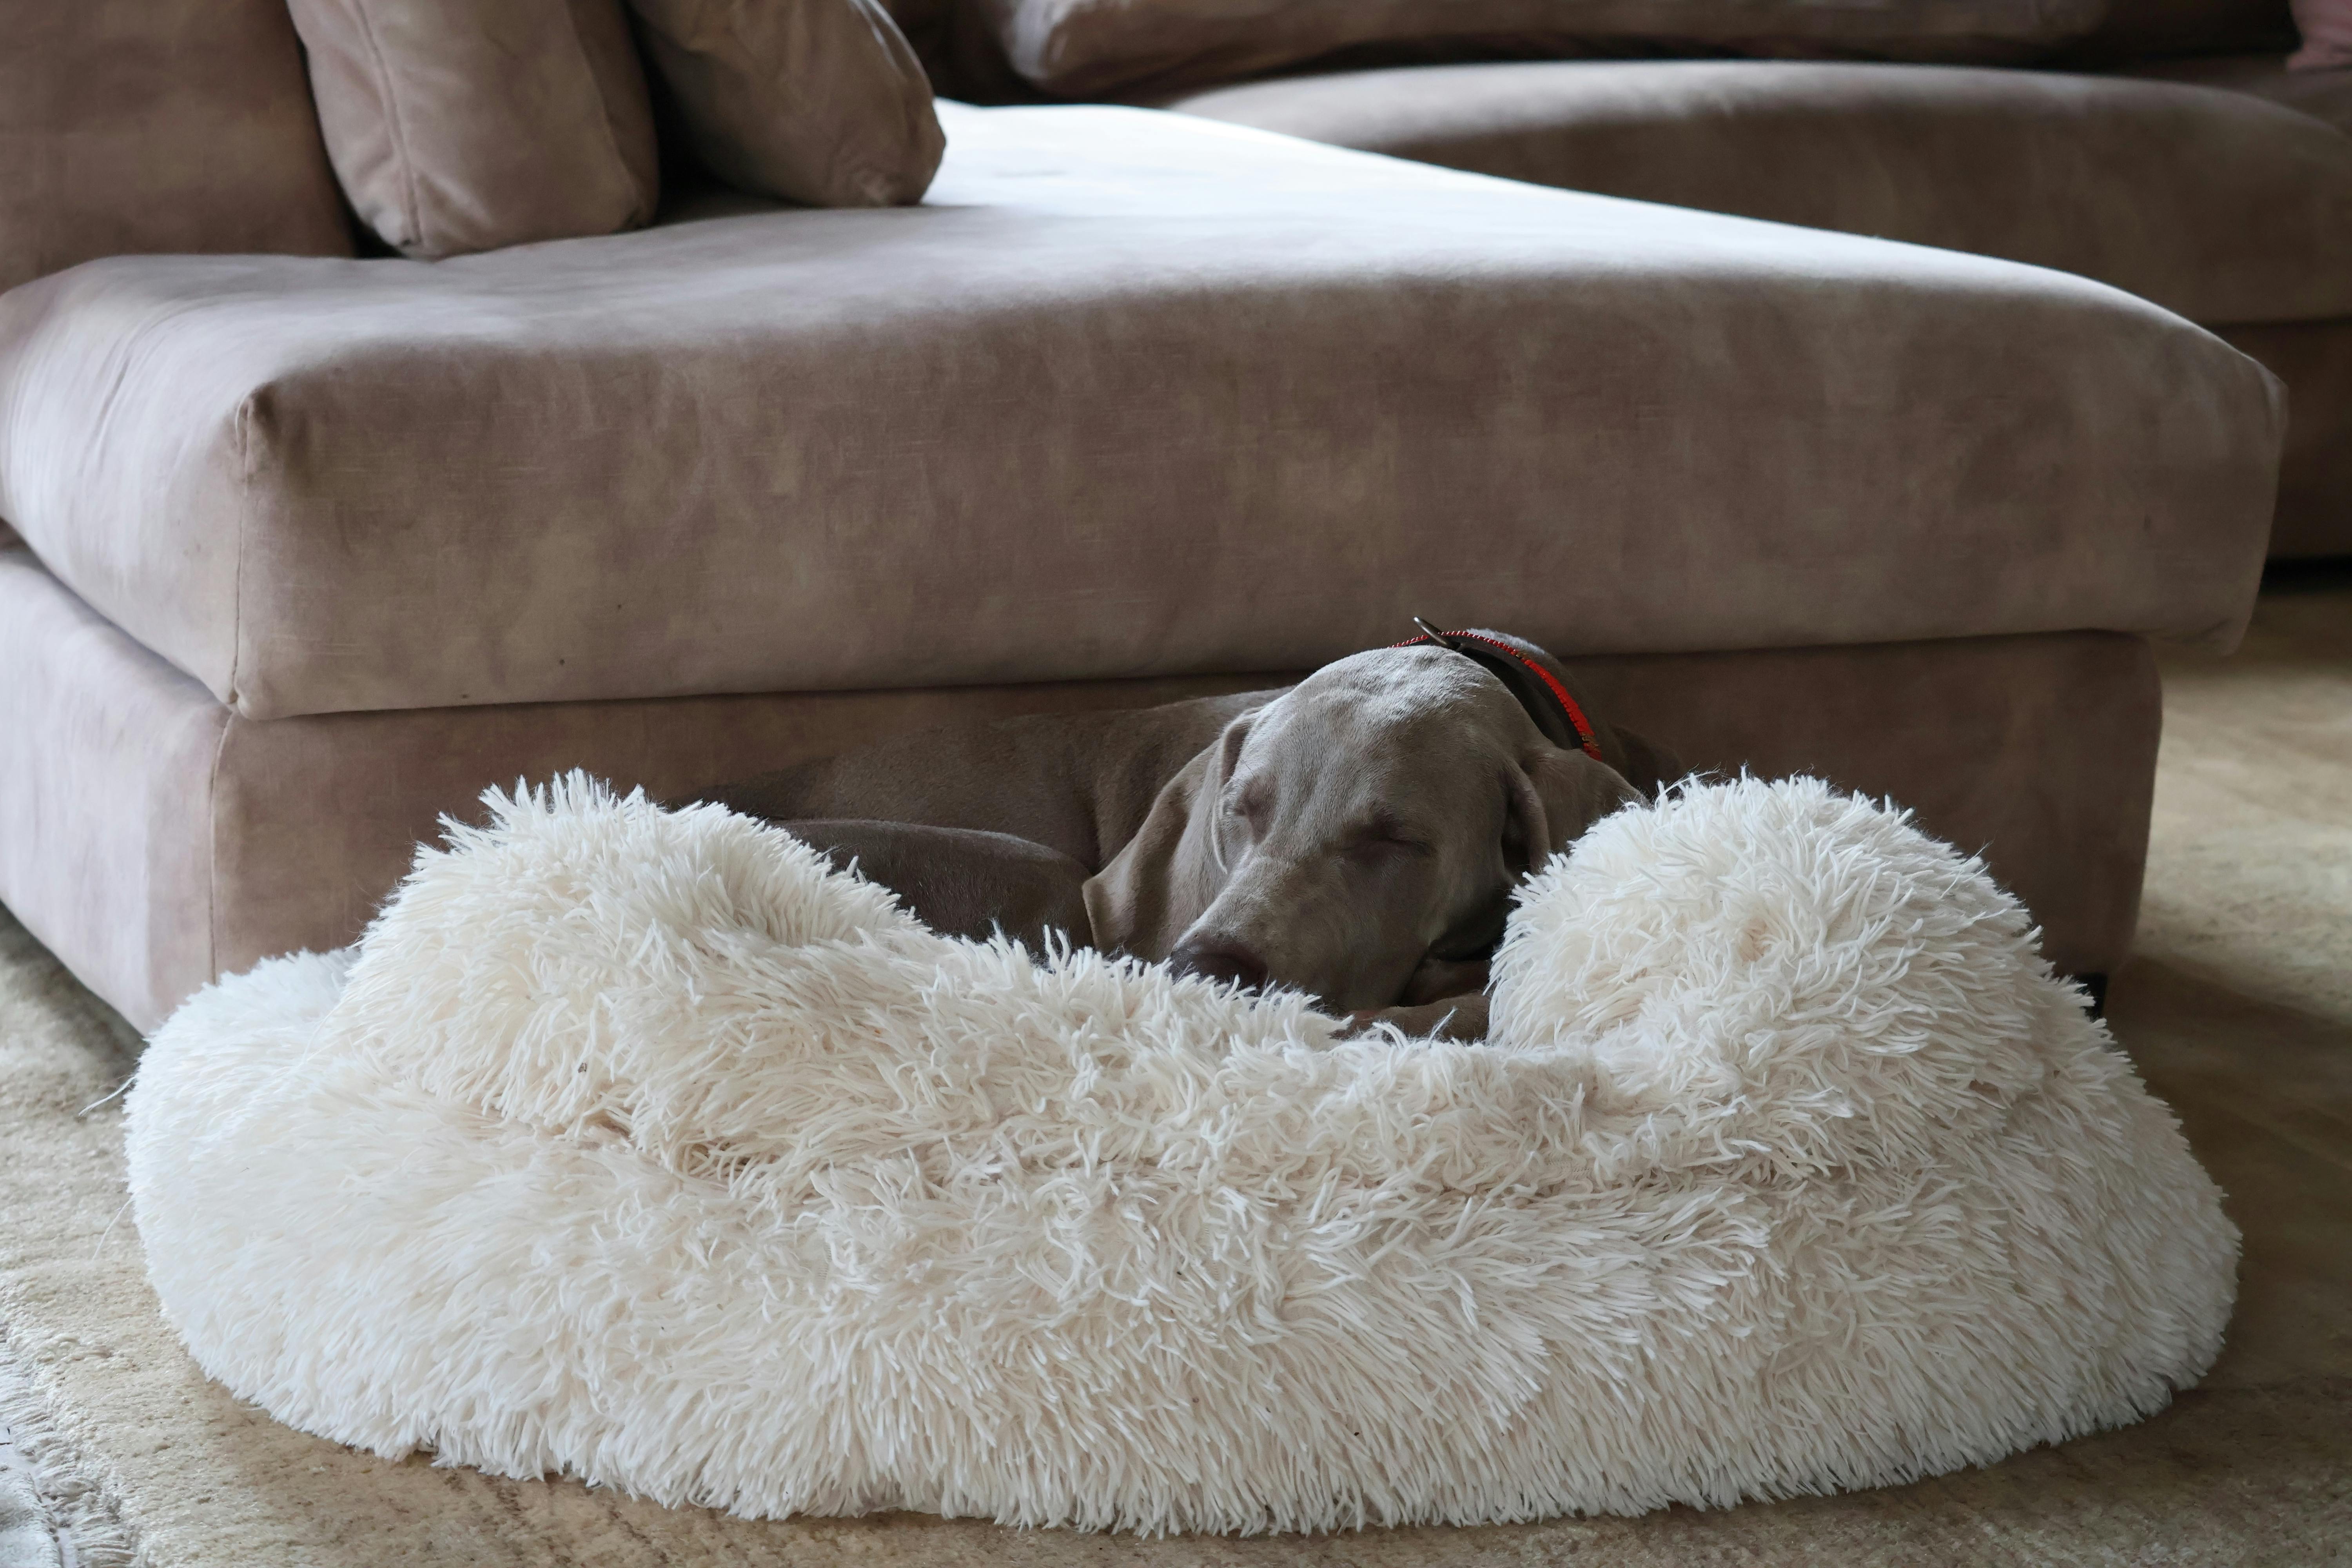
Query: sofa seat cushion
{"points": [[2217, 204], [1135, 394], [2321, 94]]}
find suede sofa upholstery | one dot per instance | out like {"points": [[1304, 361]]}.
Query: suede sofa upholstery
{"points": [[2324, 95], [869, 463], [154, 838], [158, 125], [308, 550], [2219, 187], [2217, 205], [2232, 205]]}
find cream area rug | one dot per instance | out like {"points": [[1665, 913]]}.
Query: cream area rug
{"points": [[2239, 1011]]}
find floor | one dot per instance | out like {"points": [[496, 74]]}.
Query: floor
{"points": [[2246, 935], [2237, 1008]]}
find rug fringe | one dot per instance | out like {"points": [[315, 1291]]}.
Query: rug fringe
{"points": [[80, 1502]]}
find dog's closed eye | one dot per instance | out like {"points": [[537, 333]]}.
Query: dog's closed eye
{"points": [[1384, 839], [1250, 802]]}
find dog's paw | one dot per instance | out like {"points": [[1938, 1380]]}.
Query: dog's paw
{"points": [[1454, 1018]]}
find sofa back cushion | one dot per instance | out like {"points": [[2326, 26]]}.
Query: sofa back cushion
{"points": [[818, 102], [1088, 47], [465, 125], [157, 125]]}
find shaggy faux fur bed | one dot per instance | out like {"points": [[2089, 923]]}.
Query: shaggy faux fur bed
{"points": [[638, 1145]]}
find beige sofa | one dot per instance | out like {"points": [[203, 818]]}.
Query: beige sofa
{"points": [[2168, 150], [308, 548]]}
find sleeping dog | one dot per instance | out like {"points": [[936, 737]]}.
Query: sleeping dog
{"points": [[1357, 836]]}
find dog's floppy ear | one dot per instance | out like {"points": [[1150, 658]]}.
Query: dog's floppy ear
{"points": [[1156, 886], [1648, 766], [1555, 795]]}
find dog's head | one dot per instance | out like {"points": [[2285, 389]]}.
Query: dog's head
{"points": [[1358, 836]]}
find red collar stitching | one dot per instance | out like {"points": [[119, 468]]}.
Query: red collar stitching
{"points": [[1576, 719]]}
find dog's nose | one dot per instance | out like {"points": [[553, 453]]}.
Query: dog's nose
{"points": [[1228, 961]]}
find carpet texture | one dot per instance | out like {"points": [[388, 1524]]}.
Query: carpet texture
{"points": [[642, 1146], [2237, 1011]]}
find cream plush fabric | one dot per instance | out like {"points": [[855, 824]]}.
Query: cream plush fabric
{"points": [[640, 1146]]}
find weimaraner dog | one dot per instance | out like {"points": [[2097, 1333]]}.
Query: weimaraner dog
{"points": [[1356, 836]]}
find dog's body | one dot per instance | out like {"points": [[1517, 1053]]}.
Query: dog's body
{"points": [[1356, 836]]}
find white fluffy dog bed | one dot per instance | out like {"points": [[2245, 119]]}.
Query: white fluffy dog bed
{"points": [[638, 1145]]}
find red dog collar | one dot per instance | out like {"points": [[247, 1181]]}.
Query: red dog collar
{"points": [[1515, 669]]}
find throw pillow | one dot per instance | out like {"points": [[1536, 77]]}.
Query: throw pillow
{"points": [[2327, 29], [818, 102], [1090, 47], [465, 125]]}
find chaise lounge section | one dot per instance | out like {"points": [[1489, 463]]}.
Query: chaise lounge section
{"points": [[1136, 406], [2171, 148], [2229, 208]]}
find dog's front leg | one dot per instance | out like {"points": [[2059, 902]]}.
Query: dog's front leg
{"points": [[960, 881], [1441, 979]]}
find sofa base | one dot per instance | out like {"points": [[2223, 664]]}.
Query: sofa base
{"points": [[2315, 495], [153, 839]]}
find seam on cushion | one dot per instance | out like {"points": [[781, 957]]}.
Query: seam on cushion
{"points": [[400, 154], [244, 529], [212, 852], [604, 112]]}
